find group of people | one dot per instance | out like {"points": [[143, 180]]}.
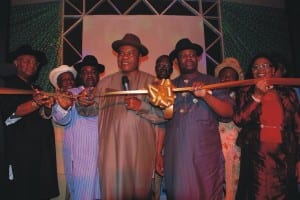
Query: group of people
{"points": [[229, 143]]}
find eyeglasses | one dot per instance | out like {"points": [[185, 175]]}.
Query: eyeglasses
{"points": [[28, 61], [264, 66]]}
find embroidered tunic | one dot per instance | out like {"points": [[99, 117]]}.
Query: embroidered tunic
{"points": [[194, 162], [127, 141]]}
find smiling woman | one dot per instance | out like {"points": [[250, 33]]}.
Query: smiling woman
{"points": [[270, 162]]}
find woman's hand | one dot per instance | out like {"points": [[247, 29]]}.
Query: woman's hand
{"points": [[261, 88]]}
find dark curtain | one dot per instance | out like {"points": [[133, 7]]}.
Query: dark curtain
{"points": [[249, 29]]}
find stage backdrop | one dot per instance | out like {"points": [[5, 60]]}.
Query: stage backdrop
{"points": [[158, 33]]}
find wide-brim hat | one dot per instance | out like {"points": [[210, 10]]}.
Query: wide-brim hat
{"points": [[54, 74], [89, 60], [130, 39], [183, 44], [27, 50], [232, 63]]}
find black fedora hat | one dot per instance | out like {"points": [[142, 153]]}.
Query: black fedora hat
{"points": [[89, 60], [183, 44], [130, 39], [27, 50]]}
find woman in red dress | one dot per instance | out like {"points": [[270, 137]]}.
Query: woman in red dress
{"points": [[270, 122]]}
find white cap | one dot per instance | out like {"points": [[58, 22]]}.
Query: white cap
{"points": [[53, 75]]}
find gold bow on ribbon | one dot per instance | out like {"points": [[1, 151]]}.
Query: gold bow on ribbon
{"points": [[161, 94]]}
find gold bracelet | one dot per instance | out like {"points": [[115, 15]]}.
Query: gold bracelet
{"points": [[257, 100]]}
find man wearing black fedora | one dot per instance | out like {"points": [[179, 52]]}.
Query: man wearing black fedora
{"points": [[127, 136], [194, 164], [29, 143], [81, 145]]}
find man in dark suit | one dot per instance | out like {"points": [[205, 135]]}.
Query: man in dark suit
{"points": [[6, 70]]}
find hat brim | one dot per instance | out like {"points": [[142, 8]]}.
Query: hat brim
{"points": [[196, 47], [221, 66], [54, 74], [116, 45], [98, 66], [39, 55]]}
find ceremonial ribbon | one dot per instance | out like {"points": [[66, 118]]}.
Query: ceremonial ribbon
{"points": [[162, 94]]}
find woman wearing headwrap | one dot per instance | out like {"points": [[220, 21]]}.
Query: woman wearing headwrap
{"points": [[230, 70]]}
